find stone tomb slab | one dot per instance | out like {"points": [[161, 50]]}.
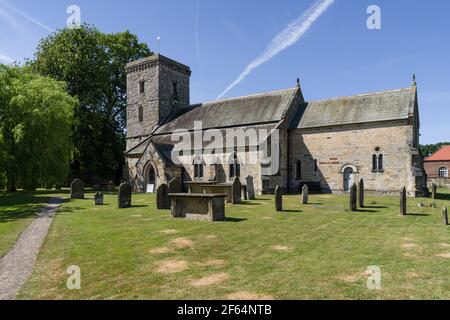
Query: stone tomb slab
{"points": [[198, 206]]}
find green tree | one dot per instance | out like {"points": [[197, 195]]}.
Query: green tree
{"points": [[429, 149], [36, 118], [93, 66]]}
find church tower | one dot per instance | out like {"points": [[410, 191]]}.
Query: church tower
{"points": [[156, 87]]}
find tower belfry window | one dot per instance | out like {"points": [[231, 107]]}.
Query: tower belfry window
{"points": [[141, 86]]}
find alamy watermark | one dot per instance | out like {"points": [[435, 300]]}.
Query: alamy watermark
{"points": [[74, 20], [374, 20], [374, 278], [74, 279], [246, 146]]}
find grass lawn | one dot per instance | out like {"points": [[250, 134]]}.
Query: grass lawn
{"points": [[16, 213], [318, 251]]}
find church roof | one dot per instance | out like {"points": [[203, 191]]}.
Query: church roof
{"points": [[366, 108], [237, 112]]}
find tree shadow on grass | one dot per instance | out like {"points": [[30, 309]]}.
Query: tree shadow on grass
{"points": [[20, 205]]}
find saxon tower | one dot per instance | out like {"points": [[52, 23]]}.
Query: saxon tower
{"points": [[157, 87]]}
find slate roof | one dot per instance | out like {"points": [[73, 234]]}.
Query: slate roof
{"points": [[442, 155], [366, 108], [237, 112]]}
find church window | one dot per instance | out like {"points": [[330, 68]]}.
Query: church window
{"points": [[141, 86], [235, 167], [269, 147], [141, 114], [299, 170], [198, 168], [443, 172], [377, 163], [316, 167], [380, 163]]}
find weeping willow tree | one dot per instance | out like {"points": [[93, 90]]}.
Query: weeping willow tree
{"points": [[36, 118]]}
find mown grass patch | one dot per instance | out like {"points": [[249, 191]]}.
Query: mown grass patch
{"points": [[316, 251]]}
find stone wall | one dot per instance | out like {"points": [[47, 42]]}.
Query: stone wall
{"points": [[355, 145]]}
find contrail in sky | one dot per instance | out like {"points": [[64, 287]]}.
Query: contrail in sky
{"points": [[289, 36], [25, 16]]}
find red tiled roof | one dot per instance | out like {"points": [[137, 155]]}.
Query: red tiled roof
{"points": [[442, 155]]}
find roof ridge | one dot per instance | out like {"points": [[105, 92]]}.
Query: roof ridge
{"points": [[249, 96], [361, 95]]}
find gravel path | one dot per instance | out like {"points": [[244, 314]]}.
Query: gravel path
{"points": [[17, 266]]}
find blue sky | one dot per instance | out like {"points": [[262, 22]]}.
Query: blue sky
{"points": [[338, 55]]}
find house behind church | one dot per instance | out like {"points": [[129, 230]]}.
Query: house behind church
{"points": [[327, 144]]}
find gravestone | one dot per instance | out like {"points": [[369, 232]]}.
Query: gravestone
{"points": [[403, 202], [124, 196], [278, 199], [244, 192], [77, 189], [361, 193], [250, 188], [353, 196], [236, 191], [445, 216], [111, 186], [433, 191], [98, 199], [162, 197], [175, 186], [58, 187], [305, 194]]}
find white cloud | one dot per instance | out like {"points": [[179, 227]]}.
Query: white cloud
{"points": [[289, 36], [24, 15], [6, 59]]}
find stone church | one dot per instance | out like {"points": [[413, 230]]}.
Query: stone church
{"points": [[326, 144]]}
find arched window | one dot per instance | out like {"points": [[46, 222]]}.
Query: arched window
{"points": [[443, 172], [235, 167], [377, 163], [299, 170], [269, 147], [141, 86], [141, 114], [198, 168]]}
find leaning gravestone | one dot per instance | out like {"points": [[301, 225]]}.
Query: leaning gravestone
{"points": [[305, 194], [236, 191], [250, 188], [445, 216], [175, 186], [124, 196], [361, 193], [353, 200], [77, 189], [403, 202], [278, 199], [162, 197], [433, 191], [98, 199]]}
